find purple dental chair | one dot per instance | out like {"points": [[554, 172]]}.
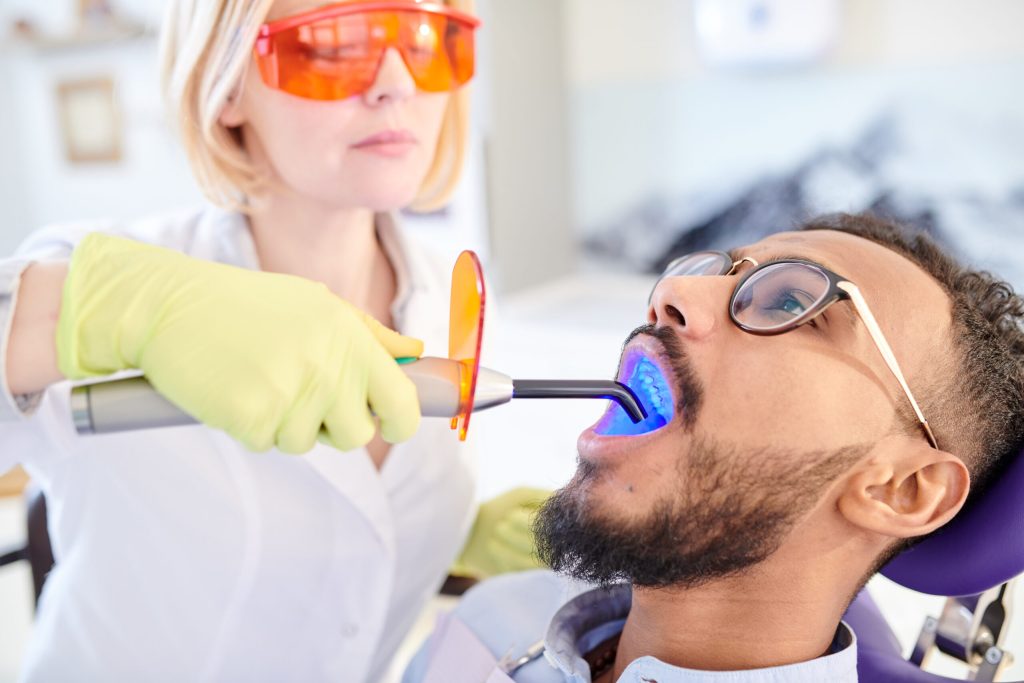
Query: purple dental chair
{"points": [[974, 558]]}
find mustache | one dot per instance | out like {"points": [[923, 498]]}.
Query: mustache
{"points": [[689, 391]]}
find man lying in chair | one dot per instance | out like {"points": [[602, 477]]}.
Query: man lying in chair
{"points": [[786, 459]]}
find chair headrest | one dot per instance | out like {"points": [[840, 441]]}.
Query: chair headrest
{"points": [[981, 548]]}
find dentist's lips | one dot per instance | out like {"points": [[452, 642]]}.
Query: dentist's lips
{"points": [[388, 143], [644, 369]]}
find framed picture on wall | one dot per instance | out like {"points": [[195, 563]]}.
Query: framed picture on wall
{"points": [[90, 121]]}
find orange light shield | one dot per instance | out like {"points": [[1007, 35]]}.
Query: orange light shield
{"points": [[465, 332]]}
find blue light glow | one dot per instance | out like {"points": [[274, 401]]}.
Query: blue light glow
{"points": [[649, 385]]}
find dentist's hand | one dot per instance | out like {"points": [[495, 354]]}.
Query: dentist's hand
{"points": [[268, 358]]}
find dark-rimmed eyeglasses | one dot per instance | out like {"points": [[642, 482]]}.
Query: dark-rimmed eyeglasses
{"points": [[777, 297]]}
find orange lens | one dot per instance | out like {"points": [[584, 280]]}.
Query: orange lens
{"points": [[466, 331], [335, 52]]}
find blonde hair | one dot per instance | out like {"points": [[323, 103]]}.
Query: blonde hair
{"points": [[205, 50]]}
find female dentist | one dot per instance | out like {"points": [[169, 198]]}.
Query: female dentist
{"points": [[202, 553]]}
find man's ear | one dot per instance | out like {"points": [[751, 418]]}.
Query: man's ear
{"points": [[905, 488]]}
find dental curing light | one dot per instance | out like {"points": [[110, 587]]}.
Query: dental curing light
{"points": [[127, 404]]}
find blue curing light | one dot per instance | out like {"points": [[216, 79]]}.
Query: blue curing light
{"points": [[649, 385]]}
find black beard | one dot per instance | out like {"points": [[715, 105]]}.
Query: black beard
{"points": [[731, 511]]}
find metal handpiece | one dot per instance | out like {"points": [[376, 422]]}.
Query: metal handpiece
{"points": [[127, 404]]}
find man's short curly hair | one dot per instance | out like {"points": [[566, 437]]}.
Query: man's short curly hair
{"points": [[976, 401]]}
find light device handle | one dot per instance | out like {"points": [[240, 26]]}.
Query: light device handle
{"points": [[132, 403]]}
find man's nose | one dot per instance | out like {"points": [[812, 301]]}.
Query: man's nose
{"points": [[393, 81], [692, 306]]}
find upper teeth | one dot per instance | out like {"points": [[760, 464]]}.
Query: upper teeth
{"points": [[646, 372]]}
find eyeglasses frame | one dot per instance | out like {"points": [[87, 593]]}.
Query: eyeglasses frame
{"points": [[269, 29], [839, 288]]}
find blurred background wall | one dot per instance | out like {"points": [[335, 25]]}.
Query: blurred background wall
{"points": [[608, 134], [649, 114], [614, 109], [44, 184], [674, 117]]}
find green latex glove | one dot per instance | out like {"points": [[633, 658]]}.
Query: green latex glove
{"points": [[502, 536], [271, 359]]}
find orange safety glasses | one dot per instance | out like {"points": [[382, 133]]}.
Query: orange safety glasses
{"points": [[465, 331], [335, 52]]}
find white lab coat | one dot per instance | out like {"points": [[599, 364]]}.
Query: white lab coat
{"points": [[183, 557]]}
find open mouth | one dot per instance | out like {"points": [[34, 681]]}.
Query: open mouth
{"points": [[647, 381]]}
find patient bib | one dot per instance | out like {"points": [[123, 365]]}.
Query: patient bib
{"points": [[457, 655]]}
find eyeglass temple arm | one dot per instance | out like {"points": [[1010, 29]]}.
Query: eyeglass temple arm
{"points": [[737, 264], [883, 347]]}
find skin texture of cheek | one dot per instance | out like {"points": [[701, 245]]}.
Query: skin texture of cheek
{"points": [[800, 397]]}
